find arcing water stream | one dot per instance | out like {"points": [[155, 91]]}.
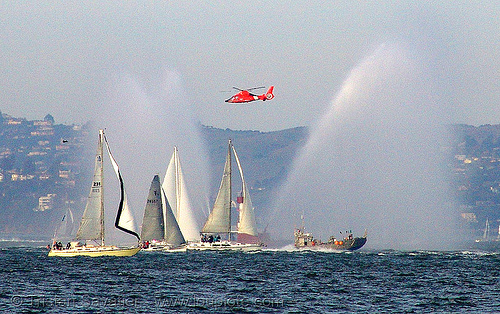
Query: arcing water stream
{"points": [[373, 161]]}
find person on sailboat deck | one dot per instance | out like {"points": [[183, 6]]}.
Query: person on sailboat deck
{"points": [[210, 238]]}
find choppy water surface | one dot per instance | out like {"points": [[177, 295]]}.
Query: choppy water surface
{"points": [[268, 281]]}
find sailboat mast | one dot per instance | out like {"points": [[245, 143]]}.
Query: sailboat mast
{"points": [[486, 229], [230, 186], [101, 137]]}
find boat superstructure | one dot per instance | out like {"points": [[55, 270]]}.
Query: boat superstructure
{"points": [[305, 240]]}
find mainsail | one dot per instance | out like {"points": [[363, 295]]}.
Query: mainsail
{"points": [[175, 189], [219, 220], [92, 224], [152, 224]]}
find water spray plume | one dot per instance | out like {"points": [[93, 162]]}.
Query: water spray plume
{"points": [[143, 124], [373, 160]]}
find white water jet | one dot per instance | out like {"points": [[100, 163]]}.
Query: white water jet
{"points": [[373, 161], [143, 124]]}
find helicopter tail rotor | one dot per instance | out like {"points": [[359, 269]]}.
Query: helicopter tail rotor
{"points": [[269, 94]]}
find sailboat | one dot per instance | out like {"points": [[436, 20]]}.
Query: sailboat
{"points": [[175, 189], [92, 223], [219, 220], [488, 242], [65, 228], [160, 230]]}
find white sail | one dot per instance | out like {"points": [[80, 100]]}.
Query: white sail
{"points": [[124, 219], [175, 189], [173, 234], [246, 220], [152, 224], [219, 220], [486, 229], [65, 228], [67, 224], [92, 224]]}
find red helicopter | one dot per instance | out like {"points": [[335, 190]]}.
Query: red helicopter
{"points": [[245, 96]]}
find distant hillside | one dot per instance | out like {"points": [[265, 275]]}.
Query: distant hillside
{"points": [[267, 158], [477, 141], [43, 160]]}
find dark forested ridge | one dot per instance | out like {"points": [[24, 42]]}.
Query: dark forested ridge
{"points": [[43, 169]]}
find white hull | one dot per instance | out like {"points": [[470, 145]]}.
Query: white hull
{"points": [[165, 247], [95, 251], [182, 248], [223, 246], [157, 248]]}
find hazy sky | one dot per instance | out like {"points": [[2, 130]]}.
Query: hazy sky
{"points": [[60, 57]]}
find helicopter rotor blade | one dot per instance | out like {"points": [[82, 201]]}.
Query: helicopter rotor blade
{"points": [[238, 89], [256, 88]]}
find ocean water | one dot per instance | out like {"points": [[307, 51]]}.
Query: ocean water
{"points": [[273, 281]]}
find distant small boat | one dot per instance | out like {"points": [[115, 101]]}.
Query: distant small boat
{"points": [[92, 223], [65, 229], [487, 242], [304, 240], [218, 224]]}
